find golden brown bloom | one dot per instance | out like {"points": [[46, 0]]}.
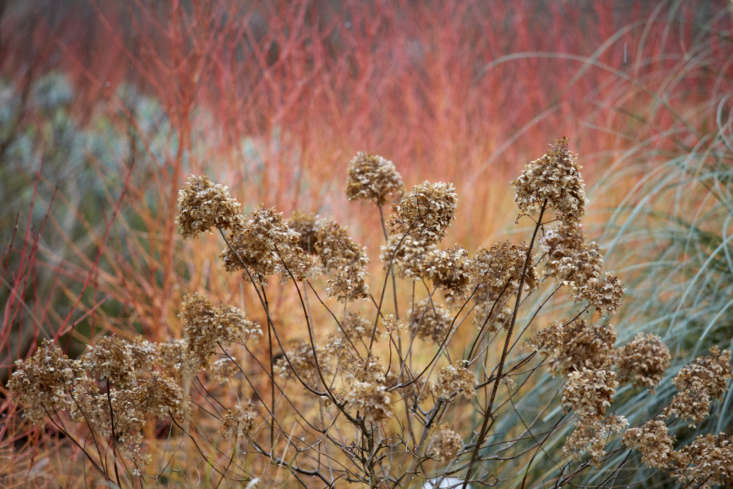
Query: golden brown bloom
{"points": [[206, 325], [588, 392], [239, 421], [370, 400], [425, 212], [497, 271], [448, 270], [406, 255], [591, 436], [43, 381], [445, 444], [429, 321], [577, 345], [343, 259], [643, 360], [706, 462], [372, 177], [203, 205], [555, 178], [454, 380], [698, 384], [265, 245], [652, 439]]}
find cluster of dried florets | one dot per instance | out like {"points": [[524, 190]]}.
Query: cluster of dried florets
{"points": [[654, 442], [445, 444], [643, 360], [206, 326], [369, 400], [430, 321], [425, 212], [372, 177], [553, 179], [591, 437], [454, 380], [698, 384], [204, 205], [577, 345], [706, 462], [239, 421], [449, 270]]}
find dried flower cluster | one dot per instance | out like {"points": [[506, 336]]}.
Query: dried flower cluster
{"points": [[343, 259], [588, 392], [652, 439], [239, 421], [577, 345], [698, 384], [425, 212], [706, 462], [264, 245], [553, 178], [445, 444], [430, 321], [205, 326], [449, 270], [454, 380], [369, 400], [643, 360], [204, 205], [592, 437], [372, 177]]}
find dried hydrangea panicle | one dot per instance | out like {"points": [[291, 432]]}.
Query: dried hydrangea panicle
{"points": [[205, 325], [454, 380], [654, 442], [266, 245], [239, 421], [306, 225], [588, 392], [355, 326], [591, 437], [555, 178], [43, 381], [301, 360], [579, 265], [406, 255], [577, 345], [425, 212], [203, 205], [698, 384], [343, 259], [643, 360], [370, 400], [429, 321], [372, 177], [706, 462], [449, 270], [445, 444], [497, 271]]}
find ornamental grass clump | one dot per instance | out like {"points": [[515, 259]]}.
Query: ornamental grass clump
{"points": [[358, 394]]}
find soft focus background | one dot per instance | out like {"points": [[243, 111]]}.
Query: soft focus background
{"points": [[106, 106]]}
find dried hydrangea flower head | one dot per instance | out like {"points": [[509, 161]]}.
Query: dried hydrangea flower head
{"points": [[429, 321], [203, 205], [43, 381], [706, 462], [454, 380], [579, 265], [698, 384], [306, 225], [643, 360], [588, 392], [445, 444], [591, 437], [577, 345], [239, 421], [370, 400], [654, 442], [206, 325], [497, 271], [555, 178], [301, 361], [372, 177], [425, 212], [264, 245], [343, 259], [406, 255], [449, 270]]}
